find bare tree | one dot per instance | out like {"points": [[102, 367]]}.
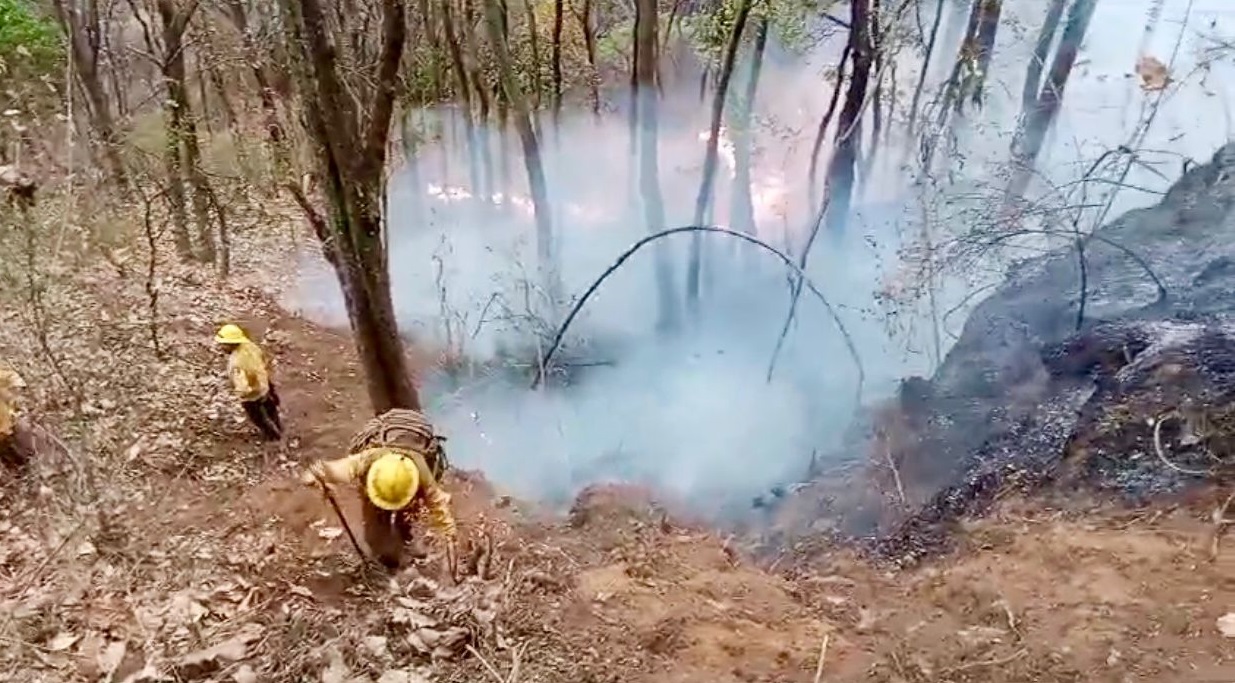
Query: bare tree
{"points": [[842, 169], [465, 91], [350, 147], [1036, 121], [742, 207], [531, 150], [711, 156], [584, 16], [85, 33], [646, 22]]}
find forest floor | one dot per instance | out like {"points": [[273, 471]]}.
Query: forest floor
{"points": [[182, 549]]}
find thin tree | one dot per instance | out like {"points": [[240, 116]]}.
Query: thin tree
{"points": [[465, 92], [558, 9], [531, 150], [742, 207], [350, 147], [85, 34], [843, 166], [1027, 143], [711, 156], [646, 22]]}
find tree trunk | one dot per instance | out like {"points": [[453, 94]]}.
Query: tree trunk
{"points": [[465, 93], [350, 151], [742, 206], [483, 139], [558, 8], [988, 27], [85, 58], [534, 37], [926, 65], [1033, 71], [589, 45], [265, 91], [842, 170], [531, 155], [826, 121], [174, 24], [711, 156], [649, 173], [1027, 144]]}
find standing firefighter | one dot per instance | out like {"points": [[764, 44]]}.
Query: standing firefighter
{"points": [[249, 372], [12, 446], [396, 462]]}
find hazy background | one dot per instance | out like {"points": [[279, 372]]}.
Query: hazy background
{"points": [[694, 414]]}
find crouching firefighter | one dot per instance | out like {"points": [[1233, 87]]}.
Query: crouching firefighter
{"points": [[396, 483], [249, 372], [15, 446]]}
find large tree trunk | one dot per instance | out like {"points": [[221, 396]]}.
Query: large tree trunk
{"points": [[350, 150], [649, 172], [842, 170], [531, 155], [711, 156]]}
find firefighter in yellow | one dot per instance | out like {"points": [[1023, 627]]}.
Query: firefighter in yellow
{"points": [[11, 448], [249, 372], [394, 483]]}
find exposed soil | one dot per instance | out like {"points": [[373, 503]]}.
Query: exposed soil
{"points": [[210, 562]]}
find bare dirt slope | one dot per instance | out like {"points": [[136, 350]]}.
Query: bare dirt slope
{"points": [[234, 572]]}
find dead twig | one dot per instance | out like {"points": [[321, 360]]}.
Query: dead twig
{"points": [[823, 654], [1221, 522], [896, 474], [574, 311], [364, 558], [988, 662]]}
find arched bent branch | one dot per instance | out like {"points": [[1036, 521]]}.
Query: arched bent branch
{"points": [[574, 311]]}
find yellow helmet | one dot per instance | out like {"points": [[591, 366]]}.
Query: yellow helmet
{"points": [[392, 481], [230, 334]]}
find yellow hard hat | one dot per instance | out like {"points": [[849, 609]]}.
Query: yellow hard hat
{"points": [[230, 334], [392, 481]]}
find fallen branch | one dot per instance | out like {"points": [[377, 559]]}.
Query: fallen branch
{"points": [[574, 311], [823, 654]]}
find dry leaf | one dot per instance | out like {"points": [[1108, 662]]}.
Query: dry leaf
{"points": [[62, 641], [1153, 73], [109, 660], [330, 533], [245, 674], [205, 662], [1226, 625], [402, 676]]}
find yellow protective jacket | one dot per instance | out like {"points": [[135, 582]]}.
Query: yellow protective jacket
{"points": [[354, 468], [248, 371], [10, 382]]}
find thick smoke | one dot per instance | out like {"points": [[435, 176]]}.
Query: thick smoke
{"points": [[693, 413]]}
